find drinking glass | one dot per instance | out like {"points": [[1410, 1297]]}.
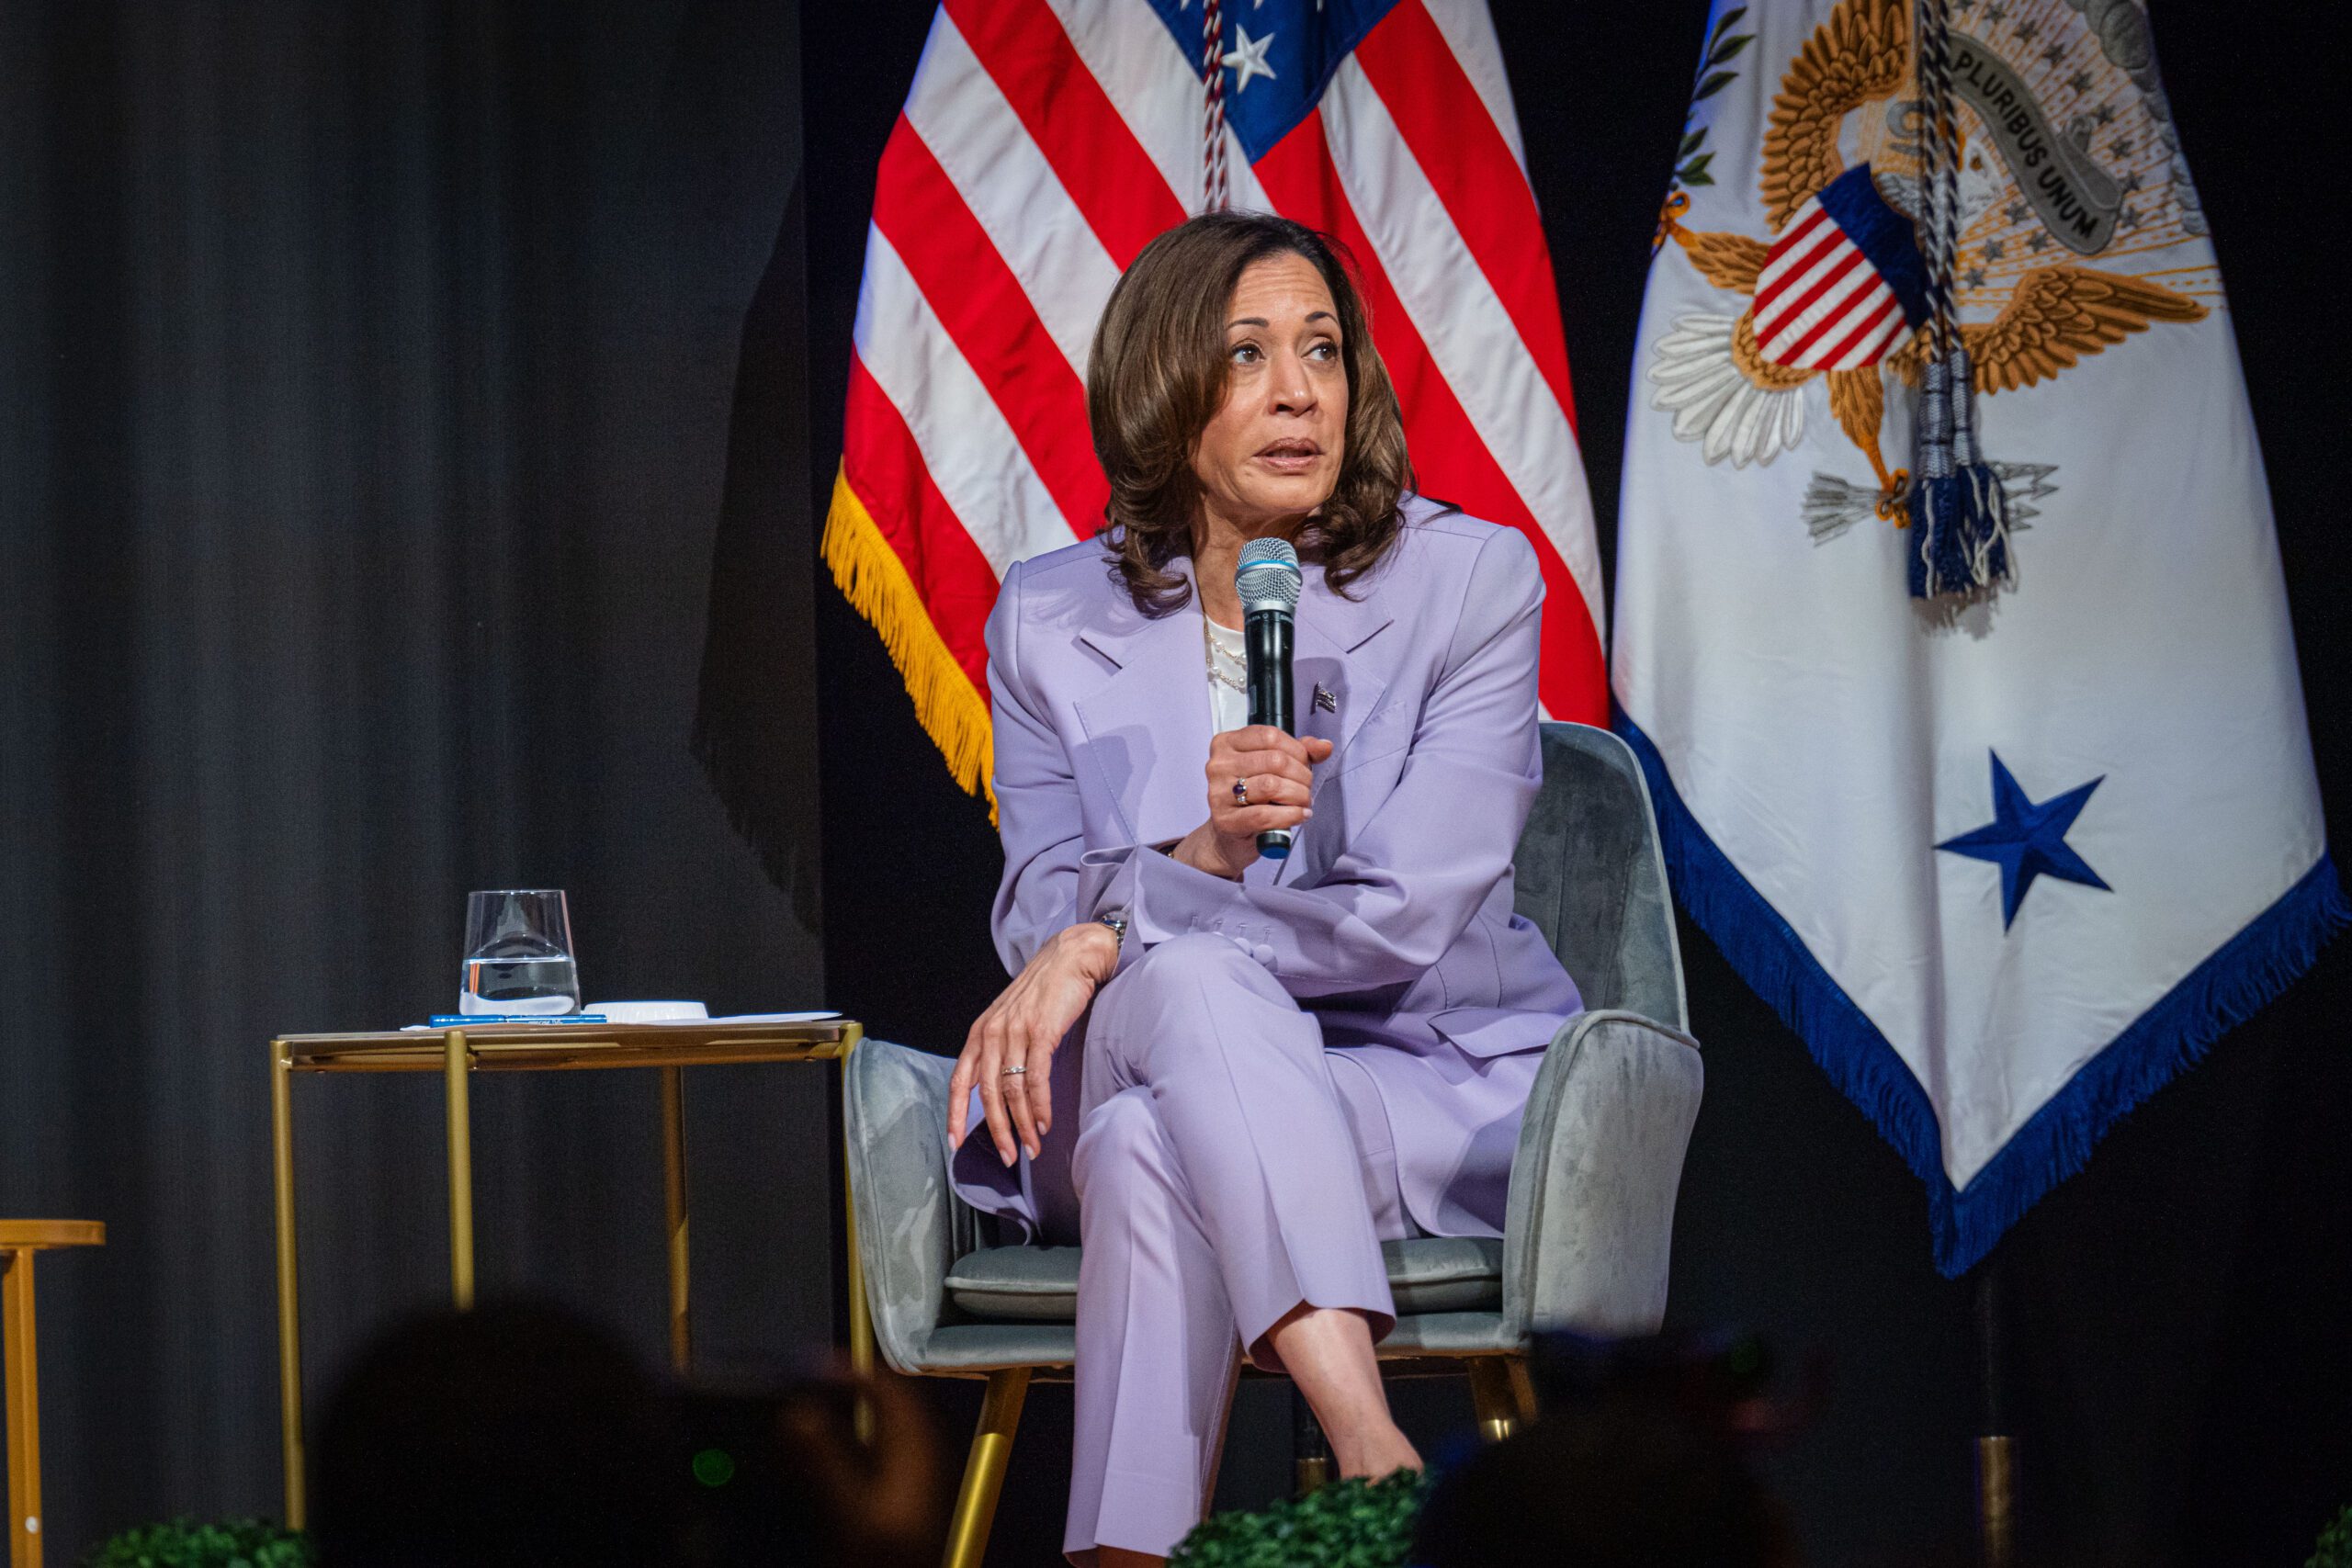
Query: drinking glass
{"points": [[518, 953]]}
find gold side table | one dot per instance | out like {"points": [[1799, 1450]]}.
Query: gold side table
{"points": [[458, 1053], [21, 1366]]}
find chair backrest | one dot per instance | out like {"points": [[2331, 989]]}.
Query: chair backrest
{"points": [[1591, 876]]}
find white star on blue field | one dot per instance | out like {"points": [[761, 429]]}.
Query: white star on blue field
{"points": [[1248, 58], [2028, 839], [1275, 57]]}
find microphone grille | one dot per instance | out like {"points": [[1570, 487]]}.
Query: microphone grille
{"points": [[1267, 576]]}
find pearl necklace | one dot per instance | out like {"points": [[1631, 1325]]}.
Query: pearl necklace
{"points": [[1212, 645]]}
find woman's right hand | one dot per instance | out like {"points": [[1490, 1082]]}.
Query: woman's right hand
{"points": [[1021, 1029], [1276, 768]]}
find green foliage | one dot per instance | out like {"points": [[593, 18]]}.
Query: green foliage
{"points": [[1723, 43], [2334, 1548], [1348, 1524], [1723, 46], [240, 1543]]}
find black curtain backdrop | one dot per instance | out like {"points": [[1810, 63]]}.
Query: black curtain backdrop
{"points": [[2177, 1310], [378, 386], [368, 374]]}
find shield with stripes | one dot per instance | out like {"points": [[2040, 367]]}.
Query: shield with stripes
{"points": [[1843, 284], [1043, 144]]}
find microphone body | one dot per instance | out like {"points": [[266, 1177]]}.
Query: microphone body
{"points": [[1268, 580], [1268, 634]]}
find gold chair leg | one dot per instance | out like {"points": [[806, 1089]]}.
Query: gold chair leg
{"points": [[1491, 1392], [968, 1529], [1310, 1447], [289, 1308], [1522, 1387], [21, 1358]]}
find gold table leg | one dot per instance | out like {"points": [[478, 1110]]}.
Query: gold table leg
{"points": [[17, 1349], [454, 1070], [967, 1528], [674, 1202], [290, 1310], [860, 1319]]}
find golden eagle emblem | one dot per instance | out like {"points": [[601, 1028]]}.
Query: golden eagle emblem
{"points": [[2068, 156]]}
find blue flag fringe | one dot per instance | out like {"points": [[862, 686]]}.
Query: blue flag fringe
{"points": [[2250, 969]]}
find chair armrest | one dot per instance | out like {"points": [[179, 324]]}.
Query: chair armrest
{"points": [[911, 1225], [1590, 1221]]}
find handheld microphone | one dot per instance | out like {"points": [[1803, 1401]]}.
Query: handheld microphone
{"points": [[1268, 578]]}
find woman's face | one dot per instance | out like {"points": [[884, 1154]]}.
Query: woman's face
{"points": [[1271, 452]]}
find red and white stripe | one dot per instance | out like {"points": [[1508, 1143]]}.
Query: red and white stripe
{"points": [[1045, 142], [1820, 305]]}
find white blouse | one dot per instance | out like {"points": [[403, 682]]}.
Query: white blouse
{"points": [[1227, 659]]}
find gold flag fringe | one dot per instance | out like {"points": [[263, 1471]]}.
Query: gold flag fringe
{"points": [[948, 706]]}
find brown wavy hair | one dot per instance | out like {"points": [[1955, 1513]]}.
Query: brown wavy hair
{"points": [[1157, 376]]}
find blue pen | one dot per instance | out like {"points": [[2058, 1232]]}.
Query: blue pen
{"points": [[462, 1020]]}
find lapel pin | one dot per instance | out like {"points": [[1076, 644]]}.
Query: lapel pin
{"points": [[1325, 700]]}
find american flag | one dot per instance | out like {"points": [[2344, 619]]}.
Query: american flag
{"points": [[1044, 143]]}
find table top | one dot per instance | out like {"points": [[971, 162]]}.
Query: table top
{"points": [[562, 1047], [21, 1236]]}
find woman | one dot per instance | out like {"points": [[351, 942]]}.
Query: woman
{"points": [[1231, 1078]]}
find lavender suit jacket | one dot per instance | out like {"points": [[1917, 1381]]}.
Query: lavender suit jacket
{"points": [[1391, 921]]}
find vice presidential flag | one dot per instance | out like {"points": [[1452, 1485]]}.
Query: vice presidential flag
{"points": [[1044, 143], [2008, 858]]}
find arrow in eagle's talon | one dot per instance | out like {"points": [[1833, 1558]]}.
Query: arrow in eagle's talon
{"points": [[1894, 499]]}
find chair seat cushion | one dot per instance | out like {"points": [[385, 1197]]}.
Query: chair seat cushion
{"points": [[1039, 1284]]}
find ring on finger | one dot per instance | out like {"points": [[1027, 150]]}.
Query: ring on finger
{"points": [[1013, 1072], [1241, 790]]}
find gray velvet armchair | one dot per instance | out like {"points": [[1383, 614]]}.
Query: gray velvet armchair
{"points": [[1592, 1185]]}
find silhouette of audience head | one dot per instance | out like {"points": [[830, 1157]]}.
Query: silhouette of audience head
{"points": [[1638, 1462], [516, 1433], [521, 1433]]}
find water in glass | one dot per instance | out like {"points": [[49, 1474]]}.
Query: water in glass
{"points": [[518, 953]]}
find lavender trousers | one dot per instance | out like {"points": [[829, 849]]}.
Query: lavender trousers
{"points": [[1228, 1167]]}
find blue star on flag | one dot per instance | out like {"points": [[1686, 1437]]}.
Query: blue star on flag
{"points": [[2028, 839]]}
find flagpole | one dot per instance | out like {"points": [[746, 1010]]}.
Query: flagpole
{"points": [[1995, 1446]]}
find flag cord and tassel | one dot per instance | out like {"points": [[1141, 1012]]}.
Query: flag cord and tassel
{"points": [[1959, 507], [1214, 184]]}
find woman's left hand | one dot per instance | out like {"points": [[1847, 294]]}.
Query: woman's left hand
{"points": [[1023, 1028]]}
